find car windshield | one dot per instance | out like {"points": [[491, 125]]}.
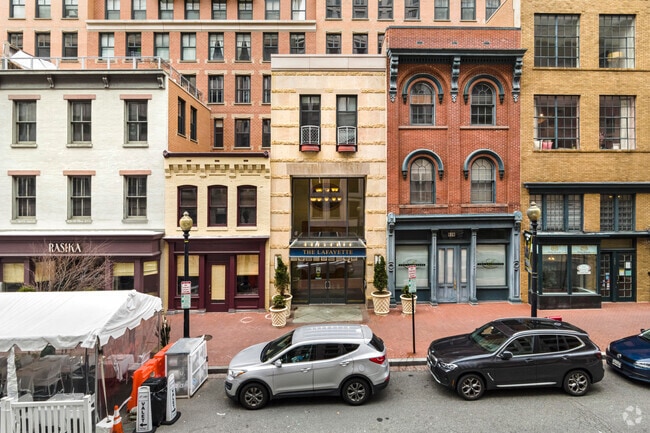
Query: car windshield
{"points": [[276, 346], [645, 334], [488, 337]]}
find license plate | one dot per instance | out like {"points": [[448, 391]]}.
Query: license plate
{"points": [[616, 363]]}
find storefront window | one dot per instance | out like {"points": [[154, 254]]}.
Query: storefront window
{"points": [[151, 277], [407, 255], [247, 274], [13, 275], [328, 207], [558, 277], [490, 265], [193, 275]]}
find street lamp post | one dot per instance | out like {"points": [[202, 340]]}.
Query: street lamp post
{"points": [[534, 213], [185, 224]]}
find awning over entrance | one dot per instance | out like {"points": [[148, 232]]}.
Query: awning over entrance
{"points": [[324, 248]]}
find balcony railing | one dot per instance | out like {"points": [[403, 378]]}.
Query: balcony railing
{"points": [[346, 139], [310, 138]]}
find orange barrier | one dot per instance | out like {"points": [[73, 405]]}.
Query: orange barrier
{"points": [[143, 373], [160, 361]]}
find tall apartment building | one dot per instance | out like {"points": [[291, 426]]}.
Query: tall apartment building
{"points": [[584, 149]]}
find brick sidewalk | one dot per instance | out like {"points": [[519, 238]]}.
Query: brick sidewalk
{"points": [[231, 332]]}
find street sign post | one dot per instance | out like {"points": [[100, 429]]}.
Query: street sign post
{"points": [[412, 272]]}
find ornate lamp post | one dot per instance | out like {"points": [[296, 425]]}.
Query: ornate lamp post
{"points": [[534, 213], [185, 224]]}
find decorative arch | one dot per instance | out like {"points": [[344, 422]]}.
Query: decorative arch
{"points": [[422, 152], [405, 88], [482, 152], [489, 78]]}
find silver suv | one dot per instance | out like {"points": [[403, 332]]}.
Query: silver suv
{"points": [[346, 360]]}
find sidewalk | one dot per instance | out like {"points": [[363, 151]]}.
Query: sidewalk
{"points": [[228, 333]]}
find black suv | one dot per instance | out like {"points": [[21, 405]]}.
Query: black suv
{"points": [[517, 352]]}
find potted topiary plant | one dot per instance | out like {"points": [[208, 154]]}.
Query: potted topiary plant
{"points": [[408, 300], [282, 283], [381, 296], [278, 311]]}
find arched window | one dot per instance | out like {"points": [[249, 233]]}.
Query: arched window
{"points": [[422, 104], [483, 181], [422, 181], [483, 104]]}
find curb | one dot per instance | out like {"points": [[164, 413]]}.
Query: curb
{"points": [[398, 362]]}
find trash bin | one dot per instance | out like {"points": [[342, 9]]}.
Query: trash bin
{"points": [[158, 392]]}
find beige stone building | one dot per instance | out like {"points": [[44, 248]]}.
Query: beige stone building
{"points": [[328, 174]]}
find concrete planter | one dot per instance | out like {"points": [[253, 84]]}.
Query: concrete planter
{"points": [[408, 304], [278, 317], [381, 302]]}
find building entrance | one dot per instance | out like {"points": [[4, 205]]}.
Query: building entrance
{"points": [[327, 282]]}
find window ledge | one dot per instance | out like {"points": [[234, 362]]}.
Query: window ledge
{"points": [[488, 127], [424, 206], [24, 221], [79, 221], [135, 220], [136, 145], [442, 128], [247, 228], [79, 145], [25, 145]]}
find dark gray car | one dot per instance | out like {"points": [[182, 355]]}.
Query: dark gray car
{"points": [[342, 360], [517, 352]]}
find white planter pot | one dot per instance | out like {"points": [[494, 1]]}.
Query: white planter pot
{"points": [[381, 302], [288, 299], [278, 317], [408, 304]]}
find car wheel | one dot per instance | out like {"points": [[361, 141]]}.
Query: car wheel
{"points": [[356, 391], [576, 383], [470, 387], [253, 396]]}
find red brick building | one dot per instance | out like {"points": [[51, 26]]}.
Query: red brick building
{"points": [[453, 171]]}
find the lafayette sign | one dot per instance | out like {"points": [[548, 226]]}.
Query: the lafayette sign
{"points": [[327, 252], [63, 247]]}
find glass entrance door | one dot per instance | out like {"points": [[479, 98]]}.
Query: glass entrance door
{"points": [[616, 276], [452, 274], [327, 282]]}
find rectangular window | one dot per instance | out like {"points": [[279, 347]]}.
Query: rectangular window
{"points": [[243, 47], [310, 120], [617, 42], [187, 202], [215, 89], [360, 44], [333, 9], [25, 116], [194, 120], [468, 10], [42, 45], [181, 117], [245, 9], [218, 134], [80, 194], [360, 9], [133, 45], [192, 10], [70, 45], [139, 9], [617, 122], [218, 9], [266, 89], [218, 206], [441, 10], [557, 41], [270, 45], [166, 9], [188, 46], [266, 132], [215, 47], [560, 213], [616, 212], [298, 10], [112, 9], [161, 45], [385, 10], [333, 41], [491, 7], [412, 9], [80, 121], [297, 43], [248, 268], [346, 120], [243, 89], [136, 121], [43, 9], [16, 39], [272, 10], [24, 197], [70, 9], [106, 45], [135, 206], [380, 42], [17, 9], [246, 206], [242, 133], [557, 121]]}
